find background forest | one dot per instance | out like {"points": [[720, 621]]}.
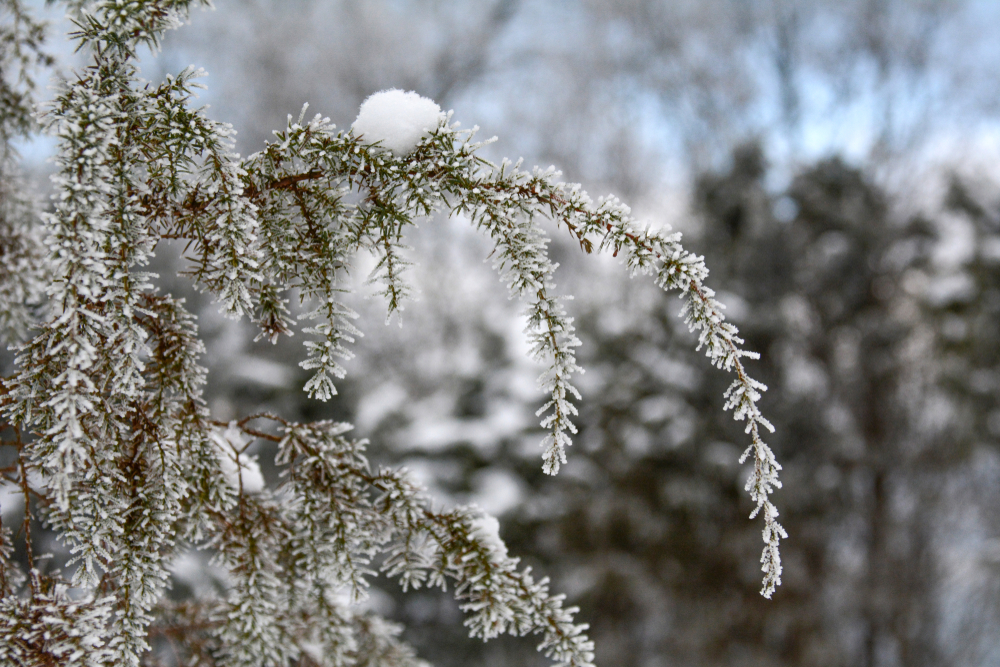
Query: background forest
{"points": [[835, 162]]}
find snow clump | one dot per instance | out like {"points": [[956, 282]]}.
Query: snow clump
{"points": [[396, 120], [486, 529], [237, 467]]}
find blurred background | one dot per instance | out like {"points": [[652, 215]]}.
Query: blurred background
{"points": [[836, 161]]}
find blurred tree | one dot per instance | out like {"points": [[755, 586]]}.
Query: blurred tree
{"points": [[815, 292], [645, 525]]}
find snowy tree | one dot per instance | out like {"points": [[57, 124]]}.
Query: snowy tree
{"points": [[116, 450]]}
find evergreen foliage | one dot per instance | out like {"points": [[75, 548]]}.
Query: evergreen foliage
{"points": [[116, 449]]}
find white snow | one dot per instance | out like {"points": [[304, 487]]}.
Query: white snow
{"points": [[486, 529], [396, 119], [11, 501], [261, 371], [237, 467], [496, 490], [188, 567], [314, 650]]}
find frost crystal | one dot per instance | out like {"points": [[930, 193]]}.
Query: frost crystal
{"points": [[396, 120]]}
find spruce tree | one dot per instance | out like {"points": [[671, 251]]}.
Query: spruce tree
{"points": [[116, 450]]}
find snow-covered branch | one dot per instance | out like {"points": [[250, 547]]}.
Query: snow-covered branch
{"points": [[128, 464]]}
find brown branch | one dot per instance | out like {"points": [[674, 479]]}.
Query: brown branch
{"points": [[32, 574], [288, 181], [249, 431], [284, 183]]}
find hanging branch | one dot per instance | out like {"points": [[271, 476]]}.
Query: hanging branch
{"points": [[131, 466]]}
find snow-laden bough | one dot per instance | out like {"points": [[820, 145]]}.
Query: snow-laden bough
{"points": [[132, 469]]}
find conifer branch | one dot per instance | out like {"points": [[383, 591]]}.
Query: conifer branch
{"points": [[132, 468]]}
